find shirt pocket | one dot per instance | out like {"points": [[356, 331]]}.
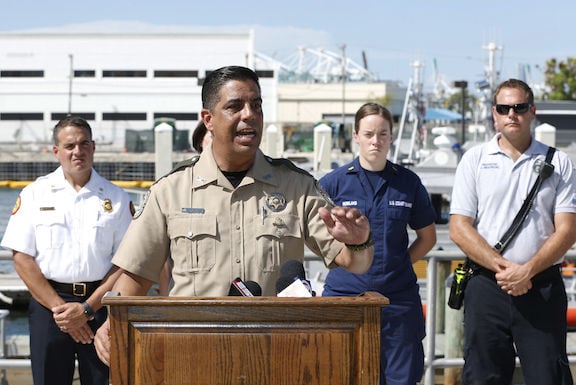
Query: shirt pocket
{"points": [[193, 242], [51, 232], [276, 236], [399, 214], [104, 228]]}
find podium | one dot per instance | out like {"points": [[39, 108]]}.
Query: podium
{"points": [[245, 340]]}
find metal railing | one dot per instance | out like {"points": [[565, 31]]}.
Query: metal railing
{"points": [[435, 291]]}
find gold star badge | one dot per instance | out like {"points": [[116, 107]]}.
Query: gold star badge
{"points": [[107, 205]]}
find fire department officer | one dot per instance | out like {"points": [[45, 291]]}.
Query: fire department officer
{"points": [[63, 231]]}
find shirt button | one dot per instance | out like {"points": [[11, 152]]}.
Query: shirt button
{"points": [[237, 227], [237, 260], [189, 234]]}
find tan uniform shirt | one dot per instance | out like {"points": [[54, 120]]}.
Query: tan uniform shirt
{"points": [[215, 233]]}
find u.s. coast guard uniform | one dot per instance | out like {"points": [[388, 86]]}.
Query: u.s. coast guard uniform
{"points": [[72, 237], [214, 232], [392, 200]]}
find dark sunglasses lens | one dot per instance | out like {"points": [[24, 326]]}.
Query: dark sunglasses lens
{"points": [[521, 108], [502, 109]]}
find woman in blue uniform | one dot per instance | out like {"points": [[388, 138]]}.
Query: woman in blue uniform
{"points": [[393, 198]]}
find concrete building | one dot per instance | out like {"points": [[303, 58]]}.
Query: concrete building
{"points": [[117, 81], [123, 82]]}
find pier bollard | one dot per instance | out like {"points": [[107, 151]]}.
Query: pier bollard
{"points": [[453, 338], [322, 147], [163, 134]]}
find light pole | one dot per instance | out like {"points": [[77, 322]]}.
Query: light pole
{"points": [[462, 84], [344, 74], [71, 76]]}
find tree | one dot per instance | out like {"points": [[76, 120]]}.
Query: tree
{"points": [[560, 79]]}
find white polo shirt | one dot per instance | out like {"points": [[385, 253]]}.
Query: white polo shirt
{"points": [[490, 187], [72, 235]]}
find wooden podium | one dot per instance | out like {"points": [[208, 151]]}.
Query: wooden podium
{"points": [[245, 340]]}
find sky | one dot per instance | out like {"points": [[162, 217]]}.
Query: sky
{"points": [[446, 36]]}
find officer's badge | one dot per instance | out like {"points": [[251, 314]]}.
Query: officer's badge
{"points": [[17, 205], [276, 202], [538, 165], [107, 205]]}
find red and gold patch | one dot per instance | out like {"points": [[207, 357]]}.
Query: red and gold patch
{"points": [[16, 205]]}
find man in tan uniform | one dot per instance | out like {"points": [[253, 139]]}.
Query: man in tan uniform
{"points": [[232, 211]]}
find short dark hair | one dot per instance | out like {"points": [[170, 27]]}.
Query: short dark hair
{"points": [[514, 83], [198, 136], [217, 78], [368, 109], [70, 120]]}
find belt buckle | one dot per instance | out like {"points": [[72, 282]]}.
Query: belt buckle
{"points": [[79, 289]]}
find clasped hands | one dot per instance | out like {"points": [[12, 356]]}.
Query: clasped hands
{"points": [[513, 278], [70, 318]]}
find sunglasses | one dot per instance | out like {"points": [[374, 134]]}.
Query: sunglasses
{"points": [[520, 108]]}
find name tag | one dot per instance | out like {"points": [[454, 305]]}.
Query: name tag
{"points": [[193, 210]]}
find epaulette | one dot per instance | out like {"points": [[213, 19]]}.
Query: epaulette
{"points": [[288, 163], [182, 165]]}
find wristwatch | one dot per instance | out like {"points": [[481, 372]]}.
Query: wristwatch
{"points": [[88, 312], [363, 246]]}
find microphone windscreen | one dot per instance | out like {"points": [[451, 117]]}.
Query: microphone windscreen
{"points": [[254, 288], [283, 282], [292, 268], [234, 291]]}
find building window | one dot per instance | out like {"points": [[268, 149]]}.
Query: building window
{"points": [[123, 74], [84, 73], [265, 73], [177, 115], [22, 116], [21, 74], [175, 74], [57, 116], [124, 116]]}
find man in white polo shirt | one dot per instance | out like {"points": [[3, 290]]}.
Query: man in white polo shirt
{"points": [[515, 302]]}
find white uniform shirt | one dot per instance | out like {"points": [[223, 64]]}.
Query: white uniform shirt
{"points": [[72, 235], [490, 187]]}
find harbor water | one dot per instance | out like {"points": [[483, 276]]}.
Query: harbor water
{"points": [[17, 322]]}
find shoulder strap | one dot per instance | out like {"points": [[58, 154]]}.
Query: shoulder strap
{"points": [[545, 171]]}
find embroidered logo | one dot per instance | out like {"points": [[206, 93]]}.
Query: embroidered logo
{"points": [[400, 204], [17, 205]]}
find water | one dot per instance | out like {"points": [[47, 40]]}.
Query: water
{"points": [[17, 322]]}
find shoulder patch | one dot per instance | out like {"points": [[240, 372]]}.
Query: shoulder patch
{"points": [[140, 206], [323, 193], [288, 163], [17, 205]]}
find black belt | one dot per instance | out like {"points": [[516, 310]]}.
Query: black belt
{"points": [[547, 275], [79, 289]]}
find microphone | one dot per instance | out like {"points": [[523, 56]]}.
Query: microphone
{"points": [[292, 281], [239, 288]]}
